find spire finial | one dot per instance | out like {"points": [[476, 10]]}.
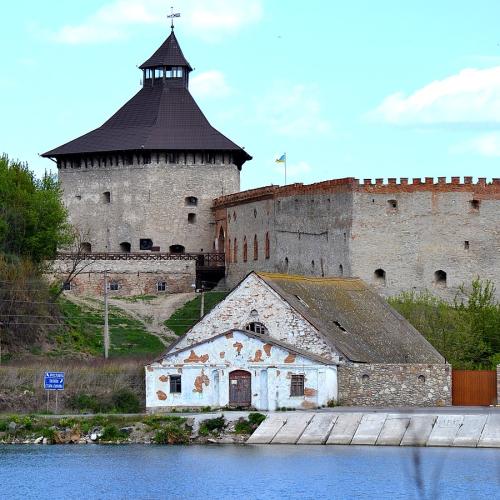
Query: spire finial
{"points": [[171, 17]]}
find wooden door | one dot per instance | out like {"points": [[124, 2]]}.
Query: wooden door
{"points": [[474, 387], [240, 388]]}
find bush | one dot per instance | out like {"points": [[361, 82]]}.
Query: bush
{"points": [[112, 433], [4, 425], [244, 426], [213, 426], [172, 433], [155, 421], [126, 401]]}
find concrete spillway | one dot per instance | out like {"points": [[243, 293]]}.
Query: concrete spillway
{"points": [[381, 429]]}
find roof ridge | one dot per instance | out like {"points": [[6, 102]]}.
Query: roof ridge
{"points": [[298, 277]]}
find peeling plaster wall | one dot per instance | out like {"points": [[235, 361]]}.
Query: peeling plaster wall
{"points": [[205, 376], [282, 322], [395, 385]]}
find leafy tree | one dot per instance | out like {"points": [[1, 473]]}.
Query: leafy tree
{"points": [[33, 219], [466, 332]]}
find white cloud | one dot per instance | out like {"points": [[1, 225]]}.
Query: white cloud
{"points": [[207, 19], [470, 97], [292, 110], [485, 145], [209, 84]]}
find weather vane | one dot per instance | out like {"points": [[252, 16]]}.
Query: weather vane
{"points": [[171, 16]]}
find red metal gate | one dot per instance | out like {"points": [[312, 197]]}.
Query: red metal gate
{"points": [[474, 387], [240, 388]]}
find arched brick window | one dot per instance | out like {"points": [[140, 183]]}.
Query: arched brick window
{"points": [[255, 248], [245, 249], [235, 250], [268, 246]]}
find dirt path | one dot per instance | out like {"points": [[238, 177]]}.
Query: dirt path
{"points": [[151, 313]]}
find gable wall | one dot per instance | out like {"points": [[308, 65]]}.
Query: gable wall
{"points": [[282, 322], [205, 372]]}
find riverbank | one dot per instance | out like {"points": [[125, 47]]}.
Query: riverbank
{"points": [[234, 427], [331, 427]]}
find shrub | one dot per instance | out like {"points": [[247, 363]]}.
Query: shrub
{"points": [[112, 433], [126, 401], [244, 426], [155, 421], [212, 426], [85, 403], [256, 418], [4, 425], [172, 433]]}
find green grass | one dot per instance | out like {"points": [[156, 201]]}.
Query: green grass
{"points": [[137, 298], [186, 316], [84, 333]]}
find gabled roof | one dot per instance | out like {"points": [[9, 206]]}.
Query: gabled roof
{"points": [[354, 319], [156, 118], [263, 338], [169, 54]]}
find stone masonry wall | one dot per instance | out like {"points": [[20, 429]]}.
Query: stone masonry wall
{"points": [[132, 277], [394, 385], [395, 236], [147, 201]]}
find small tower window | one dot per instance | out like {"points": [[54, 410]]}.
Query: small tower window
{"points": [[125, 247], [245, 249], [191, 201], [85, 247], [235, 251], [341, 270], [392, 205], [114, 286], [255, 248], [106, 197], [176, 249], [379, 276], [159, 72], [145, 244], [191, 218], [268, 247], [466, 245], [161, 286], [440, 278], [474, 205]]}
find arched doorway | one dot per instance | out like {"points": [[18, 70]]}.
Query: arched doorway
{"points": [[221, 241], [240, 388]]}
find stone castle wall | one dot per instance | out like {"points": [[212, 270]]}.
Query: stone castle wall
{"points": [[393, 236], [391, 385], [132, 277], [148, 199]]}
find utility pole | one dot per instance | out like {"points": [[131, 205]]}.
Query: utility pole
{"points": [[202, 308], [106, 325]]}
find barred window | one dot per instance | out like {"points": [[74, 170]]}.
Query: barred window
{"points": [[175, 384], [161, 286], [297, 385], [114, 286], [256, 327]]}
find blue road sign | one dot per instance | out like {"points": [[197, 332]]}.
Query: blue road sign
{"points": [[53, 381]]}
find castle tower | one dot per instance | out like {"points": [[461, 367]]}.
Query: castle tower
{"points": [[146, 178]]}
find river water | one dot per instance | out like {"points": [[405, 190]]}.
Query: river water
{"points": [[246, 472]]}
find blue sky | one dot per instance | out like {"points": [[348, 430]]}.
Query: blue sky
{"points": [[346, 88]]}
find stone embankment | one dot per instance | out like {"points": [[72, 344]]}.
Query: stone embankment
{"points": [[380, 429]]}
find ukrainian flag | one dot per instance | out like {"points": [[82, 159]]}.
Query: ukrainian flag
{"points": [[281, 159]]}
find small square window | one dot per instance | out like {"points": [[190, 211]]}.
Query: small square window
{"points": [[392, 204], [466, 245], [474, 205], [175, 384], [161, 286], [67, 285], [297, 385], [145, 244], [114, 286], [191, 218]]}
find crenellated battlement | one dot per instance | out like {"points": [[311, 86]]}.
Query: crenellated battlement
{"points": [[378, 185]]}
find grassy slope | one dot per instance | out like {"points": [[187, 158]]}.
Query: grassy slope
{"points": [[84, 333], [185, 317]]}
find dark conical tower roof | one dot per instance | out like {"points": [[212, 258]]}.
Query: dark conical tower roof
{"points": [[162, 116], [169, 54]]}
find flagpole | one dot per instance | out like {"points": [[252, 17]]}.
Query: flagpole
{"points": [[285, 169]]}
